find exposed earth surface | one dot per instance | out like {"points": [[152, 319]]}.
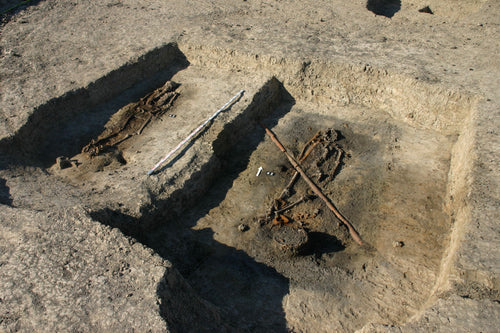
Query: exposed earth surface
{"points": [[390, 222]]}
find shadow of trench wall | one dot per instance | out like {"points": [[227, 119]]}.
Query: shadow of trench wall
{"points": [[11, 7]]}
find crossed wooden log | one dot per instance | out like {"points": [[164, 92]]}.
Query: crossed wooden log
{"points": [[316, 189]]}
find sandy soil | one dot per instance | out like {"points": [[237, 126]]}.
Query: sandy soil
{"points": [[92, 243]]}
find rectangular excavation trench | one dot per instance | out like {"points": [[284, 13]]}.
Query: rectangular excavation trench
{"points": [[202, 211], [394, 185]]}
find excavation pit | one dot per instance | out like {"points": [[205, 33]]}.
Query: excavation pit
{"points": [[391, 186], [398, 138]]}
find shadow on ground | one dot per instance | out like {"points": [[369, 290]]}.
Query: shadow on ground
{"points": [[5, 198], [385, 8], [321, 243], [11, 7]]}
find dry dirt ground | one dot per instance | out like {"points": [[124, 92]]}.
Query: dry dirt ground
{"points": [[404, 96]]}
